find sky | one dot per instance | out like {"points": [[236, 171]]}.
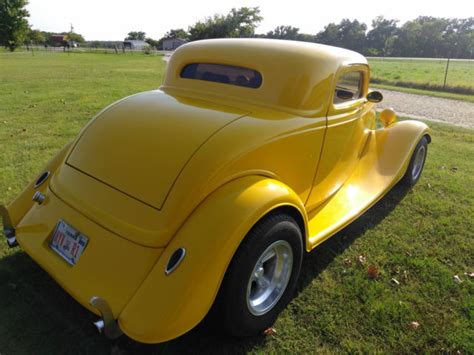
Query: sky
{"points": [[113, 19]]}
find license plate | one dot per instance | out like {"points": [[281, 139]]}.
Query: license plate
{"points": [[68, 242]]}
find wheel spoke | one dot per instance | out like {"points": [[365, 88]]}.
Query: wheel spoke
{"points": [[263, 282], [270, 254]]}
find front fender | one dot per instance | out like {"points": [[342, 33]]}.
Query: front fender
{"points": [[166, 306], [395, 145]]}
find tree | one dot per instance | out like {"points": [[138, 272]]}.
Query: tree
{"points": [[379, 37], [330, 35], [13, 23], [176, 33], [237, 23], [306, 37], [136, 35], [284, 32], [289, 33], [152, 42], [244, 21], [430, 37], [35, 36], [74, 37], [460, 37], [347, 34]]}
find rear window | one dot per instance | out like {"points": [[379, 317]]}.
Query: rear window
{"points": [[225, 74]]}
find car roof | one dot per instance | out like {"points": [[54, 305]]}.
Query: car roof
{"points": [[297, 76]]}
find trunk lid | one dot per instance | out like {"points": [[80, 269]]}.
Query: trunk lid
{"points": [[140, 145]]}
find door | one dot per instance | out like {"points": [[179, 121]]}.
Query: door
{"points": [[345, 134]]}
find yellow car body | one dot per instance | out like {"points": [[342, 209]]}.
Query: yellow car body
{"points": [[197, 163]]}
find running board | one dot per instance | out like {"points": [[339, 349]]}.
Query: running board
{"points": [[382, 164]]}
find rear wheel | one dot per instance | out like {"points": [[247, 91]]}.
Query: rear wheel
{"points": [[417, 162], [261, 278]]}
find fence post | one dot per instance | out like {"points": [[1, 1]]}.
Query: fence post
{"points": [[446, 74]]}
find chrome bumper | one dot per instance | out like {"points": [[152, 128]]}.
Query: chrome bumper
{"points": [[8, 228]]}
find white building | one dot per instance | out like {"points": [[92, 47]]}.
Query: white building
{"points": [[135, 44], [171, 44]]}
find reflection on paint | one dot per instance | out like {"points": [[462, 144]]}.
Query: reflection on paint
{"points": [[352, 192]]}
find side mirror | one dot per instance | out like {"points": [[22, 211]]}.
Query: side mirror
{"points": [[375, 96]]}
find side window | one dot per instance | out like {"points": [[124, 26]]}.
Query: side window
{"points": [[349, 87]]}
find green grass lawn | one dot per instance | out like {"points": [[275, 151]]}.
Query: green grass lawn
{"points": [[425, 74], [420, 238]]}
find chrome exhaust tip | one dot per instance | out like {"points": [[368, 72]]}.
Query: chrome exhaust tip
{"points": [[11, 238], [107, 324], [8, 228], [99, 325], [11, 242]]}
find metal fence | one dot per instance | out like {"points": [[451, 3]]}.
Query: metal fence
{"points": [[441, 74], [119, 50]]}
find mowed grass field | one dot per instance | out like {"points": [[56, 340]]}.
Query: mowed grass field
{"points": [[414, 242], [426, 75]]}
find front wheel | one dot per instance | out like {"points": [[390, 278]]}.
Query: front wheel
{"points": [[261, 278], [417, 162]]}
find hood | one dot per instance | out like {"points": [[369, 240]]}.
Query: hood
{"points": [[140, 145]]}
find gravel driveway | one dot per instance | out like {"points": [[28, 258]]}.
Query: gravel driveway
{"points": [[459, 113]]}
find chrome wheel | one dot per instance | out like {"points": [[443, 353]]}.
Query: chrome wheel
{"points": [[418, 162], [269, 277]]}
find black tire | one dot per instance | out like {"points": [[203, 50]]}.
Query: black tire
{"points": [[415, 168], [232, 312]]}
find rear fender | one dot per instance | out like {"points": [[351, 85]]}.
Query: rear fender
{"points": [[14, 212], [166, 306]]}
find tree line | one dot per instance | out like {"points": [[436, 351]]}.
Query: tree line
{"points": [[422, 37]]}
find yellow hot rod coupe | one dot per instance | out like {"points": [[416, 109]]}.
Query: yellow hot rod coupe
{"points": [[204, 194]]}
